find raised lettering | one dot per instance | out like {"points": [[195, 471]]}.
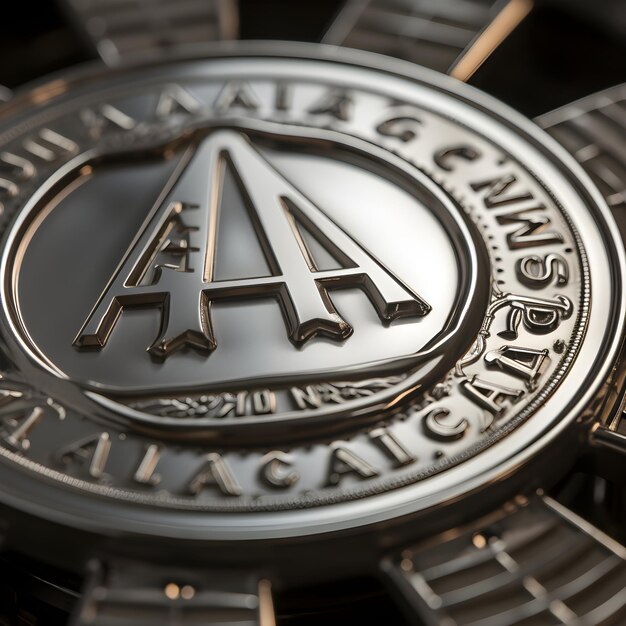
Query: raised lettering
{"points": [[145, 473], [19, 427], [534, 229], [498, 191], [307, 397], [335, 102], [174, 99], [236, 94], [538, 315], [91, 452], [21, 168], [50, 145], [276, 470], [343, 461], [490, 396], [184, 289], [284, 96], [402, 127], [440, 424], [443, 157], [215, 473], [525, 363], [537, 272], [392, 446], [99, 119]]}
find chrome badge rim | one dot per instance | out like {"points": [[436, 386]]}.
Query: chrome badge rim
{"points": [[394, 490]]}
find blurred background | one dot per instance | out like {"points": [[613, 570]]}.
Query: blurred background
{"points": [[563, 50]]}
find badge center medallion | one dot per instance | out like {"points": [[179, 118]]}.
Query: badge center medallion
{"points": [[287, 283]]}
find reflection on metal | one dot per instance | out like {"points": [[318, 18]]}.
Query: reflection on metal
{"points": [[502, 25], [171, 264], [125, 593], [267, 616], [431, 33], [586, 527], [594, 131], [603, 436], [124, 27], [533, 560]]}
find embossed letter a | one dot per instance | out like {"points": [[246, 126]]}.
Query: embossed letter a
{"points": [[171, 262]]}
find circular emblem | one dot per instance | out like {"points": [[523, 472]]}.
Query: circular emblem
{"points": [[233, 300], [269, 284]]}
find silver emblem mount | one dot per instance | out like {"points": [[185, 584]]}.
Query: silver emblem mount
{"points": [[286, 283]]}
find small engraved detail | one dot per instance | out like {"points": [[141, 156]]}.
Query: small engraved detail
{"points": [[262, 401], [314, 396], [257, 402]]}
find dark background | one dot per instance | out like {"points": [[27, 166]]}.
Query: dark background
{"points": [[564, 50]]}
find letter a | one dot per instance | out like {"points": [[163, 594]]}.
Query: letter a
{"points": [[170, 263]]}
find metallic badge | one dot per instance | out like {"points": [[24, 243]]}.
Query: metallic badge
{"points": [[263, 285]]}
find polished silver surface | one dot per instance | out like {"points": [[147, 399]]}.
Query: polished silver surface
{"points": [[493, 243]]}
